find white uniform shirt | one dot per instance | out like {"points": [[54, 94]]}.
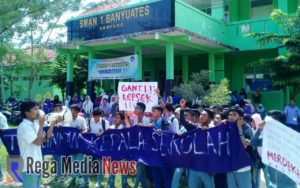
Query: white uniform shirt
{"points": [[27, 132], [145, 121], [121, 126], [3, 124], [79, 121], [97, 127]]}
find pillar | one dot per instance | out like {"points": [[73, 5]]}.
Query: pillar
{"points": [[233, 10], [244, 9], [211, 67], [139, 52], [288, 6], [69, 83], [239, 10], [90, 83], [217, 9], [185, 68], [169, 68], [219, 67]]}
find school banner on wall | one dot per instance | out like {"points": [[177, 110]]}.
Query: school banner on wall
{"points": [[281, 148], [217, 150], [116, 68], [130, 18], [131, 93]]}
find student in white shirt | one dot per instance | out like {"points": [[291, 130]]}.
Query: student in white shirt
{"points": [[174, 124], [98, 125], [3, 125], [242, 177], [118, 124], [141, 120], [30, 137], [79, 123]]}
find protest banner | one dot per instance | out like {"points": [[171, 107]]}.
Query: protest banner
{"points": [[117, 68], [281, 148], [131, 93], [217, 150]]}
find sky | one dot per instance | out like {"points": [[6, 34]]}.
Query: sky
{"points": [[66, 16]]}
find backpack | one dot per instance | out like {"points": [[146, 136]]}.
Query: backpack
{"points": [[102, 123], [166, 124]]}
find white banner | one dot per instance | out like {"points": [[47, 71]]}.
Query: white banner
{"points": [[131, 93], [281, 148], [116, 68]]}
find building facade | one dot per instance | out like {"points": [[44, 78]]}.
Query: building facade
{"points": [[174, 38]]}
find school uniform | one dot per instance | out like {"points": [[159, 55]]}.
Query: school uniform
{"points": [[112, 178], [27, 132], [79, 121], [140, 167]]}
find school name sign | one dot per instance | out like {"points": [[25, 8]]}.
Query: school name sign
{"points": [[116, 68], [281, 149], [217, 150], [131, 93], [140, 17]]}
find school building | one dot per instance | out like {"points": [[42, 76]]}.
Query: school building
{"points": [[174, 38]]}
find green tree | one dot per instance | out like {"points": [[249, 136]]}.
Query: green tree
{"points": [[59, 72], [286, 65], [196, 87], [218, 94], [11, 71], [37, 33]]}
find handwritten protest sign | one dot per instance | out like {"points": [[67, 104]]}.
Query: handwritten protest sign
{"points": [[281, 149], [131, 93]]}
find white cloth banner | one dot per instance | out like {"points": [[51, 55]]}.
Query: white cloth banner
{"points": [[281, 148], [116, 68], [131, 93]]}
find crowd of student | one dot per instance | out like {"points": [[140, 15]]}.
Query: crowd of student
{"points": [[96, 119]]}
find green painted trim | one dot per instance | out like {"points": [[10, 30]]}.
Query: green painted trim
{"points": [[167, 38], [91, 55], [195, 46], [70, 64], [112, 10], [139, 52], [170, 60], [211, 65], [185, 68]]}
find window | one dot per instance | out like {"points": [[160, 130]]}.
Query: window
{"points": [[258, 78], [177, 77], [147, 76], [261, 8]]}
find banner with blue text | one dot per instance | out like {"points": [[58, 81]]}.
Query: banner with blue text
{"points": [[128, 19], [116, 68], [216, 150]]}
